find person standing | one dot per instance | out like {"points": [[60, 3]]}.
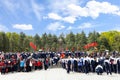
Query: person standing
{"points": [[107, 66], [45, 64], [75, 65], [115, 65], [68, 66], [28, 68], [118, 65], [31, 64], [86, 65], [80, 65], [22, 63], [92, 64], [39, 63], [72, 64], [2, 67]]}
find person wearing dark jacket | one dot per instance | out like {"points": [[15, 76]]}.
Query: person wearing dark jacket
{"points": [[45, 64], [68, 66], [99, 69], [107, 66], [28, 68], [118, 66], [75, 66], [86, 66]]}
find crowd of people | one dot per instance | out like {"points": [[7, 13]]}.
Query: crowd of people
{"points": [[71, 61], [88, 63], [25, 62]]}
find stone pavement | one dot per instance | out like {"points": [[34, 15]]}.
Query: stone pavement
{"points": [[57, 74]]}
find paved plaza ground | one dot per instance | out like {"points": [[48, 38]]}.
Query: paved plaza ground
{"points": [[57, 74]]}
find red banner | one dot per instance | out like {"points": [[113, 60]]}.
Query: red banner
{"points": [[94, 44]]}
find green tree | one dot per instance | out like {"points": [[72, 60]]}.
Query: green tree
{"points": [[78, 41], [26, 42], [103, 43], [61, 41], [93, 37], [37, 41], [110, 38], [83, 40], [21, 41], [44, 41], [116, 43], [70, 40], [54, 42], [4, 42]]}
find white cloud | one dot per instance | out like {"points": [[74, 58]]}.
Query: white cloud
{"points": [[55, 26], [77, 11], [3, 28], [95, 8], [60, 8], [69, 19], [82, 26], [70, 28], [37, 9], [61, 5], [54, 16], [23, 26], [85, 25], [61, 27], [71, 11]]}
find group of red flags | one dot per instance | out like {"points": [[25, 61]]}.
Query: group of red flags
{"points": [[87, 46], [93, 44]]}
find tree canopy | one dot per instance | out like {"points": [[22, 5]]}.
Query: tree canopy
{"points": [[12, 42]]}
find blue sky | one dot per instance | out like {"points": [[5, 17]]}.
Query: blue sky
{"points": [[59, 16]]}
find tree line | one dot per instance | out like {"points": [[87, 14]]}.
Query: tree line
{"points": [[13, 42]]}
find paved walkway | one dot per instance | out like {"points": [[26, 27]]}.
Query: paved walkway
{"points": [[57, 74]]}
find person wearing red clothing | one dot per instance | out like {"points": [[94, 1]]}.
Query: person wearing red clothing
{"points": [[39, 64], [14, 65], [9, 66], [0, 66], [35, 64], [3, 67]]}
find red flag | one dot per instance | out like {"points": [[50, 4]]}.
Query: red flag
{"points": [[86, 46], [32, 45], [94, 44]]}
